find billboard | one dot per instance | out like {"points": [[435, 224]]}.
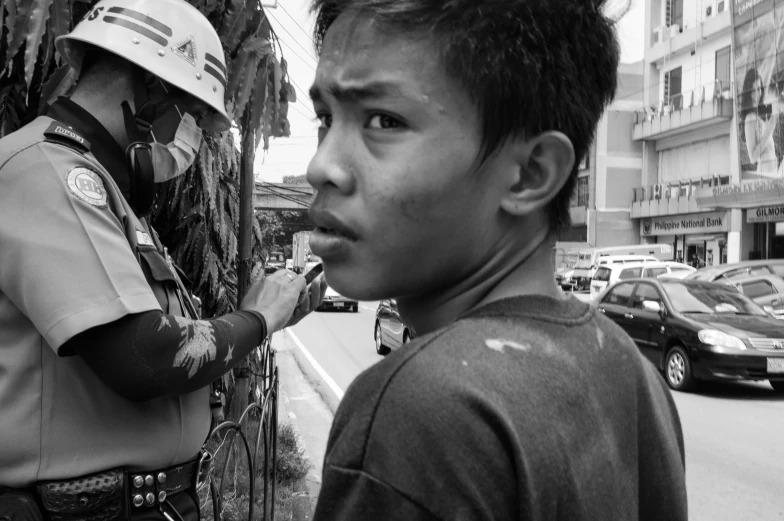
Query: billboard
{"points": [[758, 43]]}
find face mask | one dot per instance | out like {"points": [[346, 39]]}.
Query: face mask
{"points": [[172, 160]]}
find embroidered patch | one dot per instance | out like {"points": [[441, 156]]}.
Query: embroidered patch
{"points": [[186, 50], [86, 185], [144, 238]]}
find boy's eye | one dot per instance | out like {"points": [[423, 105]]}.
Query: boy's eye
{"points": [[325, 120], [382, 121]]}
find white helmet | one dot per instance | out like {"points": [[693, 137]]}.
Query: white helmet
{"points": [[169, 38]]}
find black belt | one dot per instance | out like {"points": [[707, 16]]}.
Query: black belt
{"points": [[112, 494]]}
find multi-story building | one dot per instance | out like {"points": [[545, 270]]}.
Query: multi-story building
{"points": [[613, 167], [710, 180]]}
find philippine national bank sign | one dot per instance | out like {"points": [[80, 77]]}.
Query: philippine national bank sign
{"points": [[712, 222], [758, 43]]}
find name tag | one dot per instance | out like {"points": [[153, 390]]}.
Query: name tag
{"points": [[144, 238]]}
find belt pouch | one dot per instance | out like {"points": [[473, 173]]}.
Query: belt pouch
{"points": [[95, 497]]}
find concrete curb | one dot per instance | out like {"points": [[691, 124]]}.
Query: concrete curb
{"points": [[302, 406]]}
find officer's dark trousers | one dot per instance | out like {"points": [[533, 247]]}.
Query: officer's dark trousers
{"points": [[185, 503]]}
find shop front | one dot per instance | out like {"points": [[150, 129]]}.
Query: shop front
{"points": [[697, 239], [768, 222]]}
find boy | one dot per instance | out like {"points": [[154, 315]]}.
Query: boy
{"points": [[446, 161]]}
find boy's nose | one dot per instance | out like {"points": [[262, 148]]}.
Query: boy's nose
{"points": [[333, 165]]}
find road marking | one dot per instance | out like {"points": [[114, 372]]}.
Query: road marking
{"points": [[369, 309], [320, 370]]}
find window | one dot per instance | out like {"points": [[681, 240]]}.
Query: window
{"points": [[757, 288], [674, 13], [645, 292], [672, 88], [723, 69], [582, 191], [620, 295], [652, 273], [630, 273], [602, 274], [584, 162]]}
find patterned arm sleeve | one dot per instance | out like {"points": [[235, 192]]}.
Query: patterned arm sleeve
{"points": [[154, 355]]}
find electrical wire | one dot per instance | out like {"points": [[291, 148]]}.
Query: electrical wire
{"points": [[295, 39], [309, 35]]}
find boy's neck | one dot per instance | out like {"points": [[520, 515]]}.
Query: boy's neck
{"points": [[526, 271]]}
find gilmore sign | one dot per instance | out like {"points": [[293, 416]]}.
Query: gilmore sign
{"points": [[765, 214], [685, 224]]}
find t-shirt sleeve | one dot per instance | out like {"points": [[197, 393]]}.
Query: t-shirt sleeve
{"points": [[64, 259], [352, 495], [662, 471]]}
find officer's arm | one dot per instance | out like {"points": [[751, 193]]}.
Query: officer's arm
{"points": [[152, 355]]}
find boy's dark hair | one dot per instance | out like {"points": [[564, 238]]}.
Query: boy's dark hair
{"points": [[529, 65]]}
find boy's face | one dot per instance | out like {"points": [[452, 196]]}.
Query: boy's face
{"points": [[395, 168]]}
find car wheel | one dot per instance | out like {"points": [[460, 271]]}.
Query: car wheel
{"points": [[406, 337], [355, 309], [777, 386], [380, 347], [677, 370]]}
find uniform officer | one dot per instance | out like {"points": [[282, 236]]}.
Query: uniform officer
{"points": [[104, 367]]}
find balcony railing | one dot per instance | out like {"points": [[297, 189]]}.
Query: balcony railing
{"points": [[677, 189], [715, 90]]}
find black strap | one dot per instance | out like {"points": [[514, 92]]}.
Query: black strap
{"points": [[140, 166]]}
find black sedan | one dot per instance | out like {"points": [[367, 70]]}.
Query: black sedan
{"points": [[390, 332], [694, 330], [336, 301]]}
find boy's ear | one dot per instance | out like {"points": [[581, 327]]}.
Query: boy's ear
{"points": [[544, 163]]}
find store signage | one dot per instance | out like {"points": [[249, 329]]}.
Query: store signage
{"points": [[766, 214], [749, 186], [685, 224]]}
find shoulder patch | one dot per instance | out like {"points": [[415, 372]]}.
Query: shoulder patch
{"points": [[87, 185], [64, 134]]}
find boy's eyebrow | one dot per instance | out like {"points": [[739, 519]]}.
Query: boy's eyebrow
{"points": [[373, 90]]}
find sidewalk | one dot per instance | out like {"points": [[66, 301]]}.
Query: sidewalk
{"points": [[308, 404]]}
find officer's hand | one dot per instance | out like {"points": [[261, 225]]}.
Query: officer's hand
{"points": [[310, 299], [276, 297]]}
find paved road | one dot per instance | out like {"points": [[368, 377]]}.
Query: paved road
{"points": [[734, 433]]}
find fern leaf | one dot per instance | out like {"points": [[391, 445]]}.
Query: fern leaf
{"points": [[36, 25], [232, 24], [61, 21], [18, 33]]}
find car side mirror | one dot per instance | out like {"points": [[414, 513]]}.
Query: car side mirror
{"points": [[650, 305]]}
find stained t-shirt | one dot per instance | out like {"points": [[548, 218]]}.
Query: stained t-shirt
{"points": [[528, 408]]}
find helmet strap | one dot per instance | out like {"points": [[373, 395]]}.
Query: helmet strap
{"points": [[139, 153]]}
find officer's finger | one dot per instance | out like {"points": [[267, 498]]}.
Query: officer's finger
{"points": [[316, 293]]}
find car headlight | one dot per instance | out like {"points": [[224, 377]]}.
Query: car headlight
{"points": [[713, 337]]}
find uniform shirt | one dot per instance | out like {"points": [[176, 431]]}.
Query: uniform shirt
{"points": [[527, 408], [65, 267]]}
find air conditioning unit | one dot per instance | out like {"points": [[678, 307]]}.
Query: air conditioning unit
{"points": [[657, 191], [658, 33], [674, 30], [720, 7], [709, 11]]}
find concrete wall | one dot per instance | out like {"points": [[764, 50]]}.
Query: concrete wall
{"points": [[620, 182]]}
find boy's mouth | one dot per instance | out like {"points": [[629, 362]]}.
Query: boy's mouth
{"points": [[331, 231]]}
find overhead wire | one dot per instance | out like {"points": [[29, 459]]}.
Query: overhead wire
{"points": [[309, 35], [294, 38]]}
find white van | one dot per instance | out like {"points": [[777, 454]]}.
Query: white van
{"points": [[589, 259], [581, 279], [609, 274]]}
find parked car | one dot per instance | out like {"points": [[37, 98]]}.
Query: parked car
{"points": [[767, 291], [564, 278], [695, 330], [334, 300], [608, 275], [737, 270], [390, 331]]}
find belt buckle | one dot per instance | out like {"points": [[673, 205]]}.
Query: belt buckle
{"points": [[203, 469]]}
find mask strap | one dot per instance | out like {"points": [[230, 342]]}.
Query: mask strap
{"points": [[139, 153]]}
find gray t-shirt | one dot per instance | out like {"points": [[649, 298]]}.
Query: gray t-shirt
{"points": [[528, 408]]}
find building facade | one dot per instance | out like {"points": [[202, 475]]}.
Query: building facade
{"points": [[711, 130], [600, 206]]}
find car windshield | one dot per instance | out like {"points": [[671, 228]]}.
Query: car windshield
{"points": [[711, 299]]}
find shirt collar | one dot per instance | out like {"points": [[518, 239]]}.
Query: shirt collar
{"points": [[103, 145]]}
